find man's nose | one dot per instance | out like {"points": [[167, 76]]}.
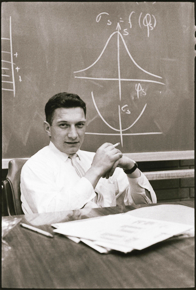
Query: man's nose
{"points": [[73, 132]]}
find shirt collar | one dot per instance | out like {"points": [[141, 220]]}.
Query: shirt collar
{"points": [[61, 154]]}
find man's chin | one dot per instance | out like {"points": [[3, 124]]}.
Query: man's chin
{"points": [[72, 149], [72, 152]]}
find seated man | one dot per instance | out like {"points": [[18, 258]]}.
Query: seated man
{"points": [[62, 177]]}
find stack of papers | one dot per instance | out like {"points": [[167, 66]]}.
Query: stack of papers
{"points": [[122, 232]]}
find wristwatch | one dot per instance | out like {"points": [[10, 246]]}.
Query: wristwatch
{"points": [[129, 171]]}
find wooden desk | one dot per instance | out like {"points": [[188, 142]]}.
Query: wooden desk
{"points": [[36, 261]]}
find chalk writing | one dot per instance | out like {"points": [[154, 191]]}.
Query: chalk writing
{"points": [[125, 109], [7, 74], [147, 21], [7, 63], [139, 90], [130, 18], [98, 18]]}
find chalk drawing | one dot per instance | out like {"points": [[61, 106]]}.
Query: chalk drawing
{"points": [[140, 92]]}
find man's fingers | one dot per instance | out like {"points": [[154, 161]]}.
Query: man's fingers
{"points": [[111, 171], [114, 167]]}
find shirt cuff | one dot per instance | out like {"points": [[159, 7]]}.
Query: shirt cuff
{"points": [[143, 182]]}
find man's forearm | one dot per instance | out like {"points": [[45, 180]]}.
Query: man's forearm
{"points": [[93, 175]]}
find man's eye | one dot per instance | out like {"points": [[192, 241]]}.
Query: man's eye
{"points": [[80, 125], [63, 125]]}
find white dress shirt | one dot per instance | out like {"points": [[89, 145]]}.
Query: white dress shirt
{"points": [[49, 183]]}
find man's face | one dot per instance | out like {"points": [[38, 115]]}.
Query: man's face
{"points": [[67, 129]]}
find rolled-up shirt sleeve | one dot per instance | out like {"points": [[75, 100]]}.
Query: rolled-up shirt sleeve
{"points": [[137, 190], [132, 191]]}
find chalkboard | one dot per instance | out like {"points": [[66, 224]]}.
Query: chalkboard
{"points": [[131, 62]]}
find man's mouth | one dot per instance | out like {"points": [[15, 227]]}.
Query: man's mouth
{"points": [[72, 143]]}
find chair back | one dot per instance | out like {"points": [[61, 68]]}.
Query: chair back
{"points": [[12, 186]]}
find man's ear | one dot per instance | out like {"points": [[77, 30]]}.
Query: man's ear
{"points": [[47, 128]]}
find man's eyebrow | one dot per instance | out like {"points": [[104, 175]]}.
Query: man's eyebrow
{"points": [[67, 122], [62, 121]]}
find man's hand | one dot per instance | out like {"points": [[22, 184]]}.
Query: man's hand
{"points": [[105, 158], [125, 163]]}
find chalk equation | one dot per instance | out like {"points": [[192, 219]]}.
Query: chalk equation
{"points": [[145, 20], [8, 66], [123, 105]]}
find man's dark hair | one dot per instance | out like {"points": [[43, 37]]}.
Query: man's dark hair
{"points": [[63, 100]]}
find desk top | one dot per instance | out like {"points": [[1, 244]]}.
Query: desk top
{"points": [[36, 261]]}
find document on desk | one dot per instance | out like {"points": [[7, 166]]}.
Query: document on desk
{"points": [[169, 212], [122, 232]]}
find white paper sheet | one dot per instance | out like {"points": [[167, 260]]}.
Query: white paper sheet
{"points": [[169, 212], [123, 232]]}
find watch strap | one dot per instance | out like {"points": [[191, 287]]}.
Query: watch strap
{"points": [[129, 171]]}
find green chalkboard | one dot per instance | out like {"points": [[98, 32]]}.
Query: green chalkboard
{"points": [[132, 62]]}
